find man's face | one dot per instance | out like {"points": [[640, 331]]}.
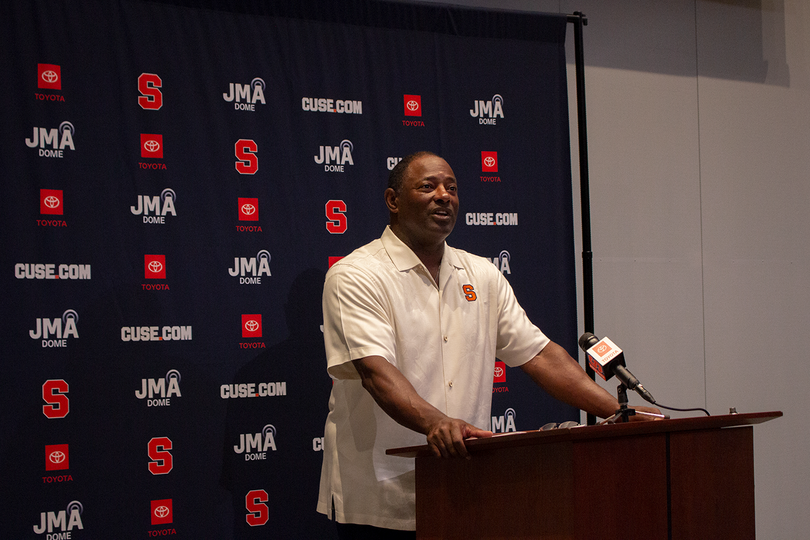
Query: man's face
{"points": [[427, 202]]}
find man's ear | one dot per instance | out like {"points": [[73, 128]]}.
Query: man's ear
{"points": [[391, 200]]}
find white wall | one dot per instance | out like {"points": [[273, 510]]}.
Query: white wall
{"points": [[699, 143]]}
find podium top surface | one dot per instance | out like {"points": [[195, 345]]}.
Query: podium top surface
{"points": [[582, 433]]}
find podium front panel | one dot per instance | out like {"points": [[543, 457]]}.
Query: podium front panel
{"points": [[712, 477], [519, 492], [620, 487]]}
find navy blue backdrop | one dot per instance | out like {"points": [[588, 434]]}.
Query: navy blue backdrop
{"points": [[177, 178]]}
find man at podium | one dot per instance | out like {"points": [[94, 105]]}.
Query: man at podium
{"points": [[412, 328]]}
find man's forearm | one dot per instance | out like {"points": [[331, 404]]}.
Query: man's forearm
{"points": [[396, 395], [564, 379], [398, 398]]}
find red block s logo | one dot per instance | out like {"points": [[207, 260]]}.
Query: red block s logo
{"points": [[53, 393], [469, 293], [336, 214], [151, 97], [248, 162], [257, 509], [162, 462]]}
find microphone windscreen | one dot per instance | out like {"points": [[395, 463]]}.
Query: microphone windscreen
{"points": [[587, 340]]}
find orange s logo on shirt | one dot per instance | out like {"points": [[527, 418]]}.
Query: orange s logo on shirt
{"points": [[469, 293]]}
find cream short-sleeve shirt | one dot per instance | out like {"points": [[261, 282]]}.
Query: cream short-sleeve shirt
{"points": [[381, 301]]}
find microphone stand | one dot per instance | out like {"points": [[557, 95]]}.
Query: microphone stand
{"points": [[623, 412]]}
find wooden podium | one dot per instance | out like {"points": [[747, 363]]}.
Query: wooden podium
{"points": [[678, 479]]}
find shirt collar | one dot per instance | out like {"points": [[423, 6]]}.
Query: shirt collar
{"points": [[404, 258]]}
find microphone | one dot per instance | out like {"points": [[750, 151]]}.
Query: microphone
{"points": [[607, 359]]}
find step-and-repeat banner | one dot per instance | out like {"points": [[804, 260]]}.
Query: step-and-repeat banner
{"points": [[175, 183]]}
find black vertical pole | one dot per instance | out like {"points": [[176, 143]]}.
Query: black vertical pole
{"points": [[579, 21]]}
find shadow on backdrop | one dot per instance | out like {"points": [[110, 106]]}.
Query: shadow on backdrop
{"points": [[271, 450]]}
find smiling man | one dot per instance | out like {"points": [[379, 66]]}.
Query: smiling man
{"points": [[412, 328]]}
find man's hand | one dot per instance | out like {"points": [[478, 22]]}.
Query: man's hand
{"points": [[446, 437]]}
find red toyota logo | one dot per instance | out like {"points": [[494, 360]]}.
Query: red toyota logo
{"points": [[152, 145], [161, 512], [154, 266], [489, 161], [49, 76], [252, 325], [56, 457], [50, 201], [413, 105]]}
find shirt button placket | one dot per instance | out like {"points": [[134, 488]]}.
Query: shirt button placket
{"points": [[449, 383]]}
